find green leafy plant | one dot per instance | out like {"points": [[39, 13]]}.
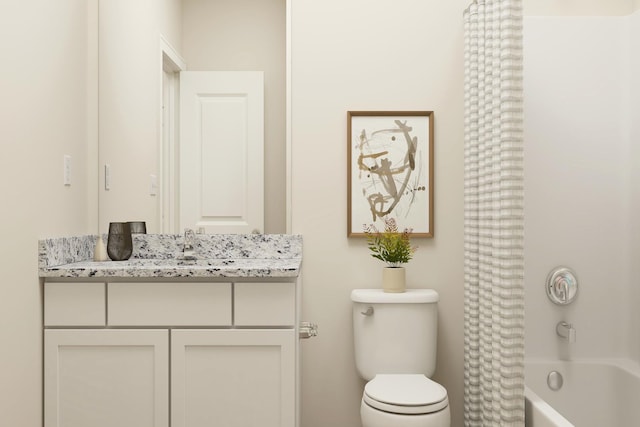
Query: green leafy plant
{"points": [[390, 246]]}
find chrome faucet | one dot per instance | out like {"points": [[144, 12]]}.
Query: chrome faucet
{"points": [[188, 250], [563, 290], [566, 331]]}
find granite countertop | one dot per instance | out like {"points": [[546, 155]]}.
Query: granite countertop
{"points": [[149, 268], [155, 256]]}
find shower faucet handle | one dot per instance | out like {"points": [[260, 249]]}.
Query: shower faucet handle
{"points": [[562, 286]]}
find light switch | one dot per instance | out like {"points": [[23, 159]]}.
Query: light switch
{"points": [[153, 188], [107, 177], [67, 169]]}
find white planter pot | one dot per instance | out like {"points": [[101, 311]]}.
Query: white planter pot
{"points": [[393, 279]]}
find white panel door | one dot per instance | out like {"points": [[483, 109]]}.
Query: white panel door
{"points": [[233, 378], [106, 378], [222, 151]]}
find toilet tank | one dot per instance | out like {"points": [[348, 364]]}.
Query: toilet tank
{"points": [[395, 333]]}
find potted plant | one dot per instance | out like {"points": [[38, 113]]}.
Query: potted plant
{"points": [[392, 247]]}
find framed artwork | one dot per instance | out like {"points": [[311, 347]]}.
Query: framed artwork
{"points": [[390, 170]]}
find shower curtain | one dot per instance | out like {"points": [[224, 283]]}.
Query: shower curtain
{"points": [[493, 215]]}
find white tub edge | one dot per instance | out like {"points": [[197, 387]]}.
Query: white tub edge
{"points": [[539, 413]]}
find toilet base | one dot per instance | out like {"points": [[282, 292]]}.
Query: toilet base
{"points": [[372, 417]]}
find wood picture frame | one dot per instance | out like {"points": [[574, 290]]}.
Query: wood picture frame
{"points": [[390, 170]]}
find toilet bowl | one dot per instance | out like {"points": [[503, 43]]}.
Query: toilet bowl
{"points": [[395, 343], [404, 400]]}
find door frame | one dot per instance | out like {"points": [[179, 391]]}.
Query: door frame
{"points": [[172, 65], [288, 115]]}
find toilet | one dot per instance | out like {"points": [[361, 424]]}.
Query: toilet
{"points": [[395, 338]]}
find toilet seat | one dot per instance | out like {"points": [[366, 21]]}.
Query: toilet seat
{"points": [[409, 394]]}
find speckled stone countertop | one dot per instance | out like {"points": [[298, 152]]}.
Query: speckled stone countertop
{"points": [[155, 256]]}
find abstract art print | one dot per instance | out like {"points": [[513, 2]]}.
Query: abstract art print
{"points": [[390, 170]]}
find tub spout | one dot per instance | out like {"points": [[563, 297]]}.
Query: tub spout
{"points": [[566, 331]]}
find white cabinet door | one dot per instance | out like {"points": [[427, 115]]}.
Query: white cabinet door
{"points": [[222, 151], [106, 378], [233, 378]]}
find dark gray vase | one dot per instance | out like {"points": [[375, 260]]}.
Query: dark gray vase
{"points": [[138, 227], [119, 243]]}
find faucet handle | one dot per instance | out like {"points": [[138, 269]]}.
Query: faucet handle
{"points": [[189, 239], [562, 286]]}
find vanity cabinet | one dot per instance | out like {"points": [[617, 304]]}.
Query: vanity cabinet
{"points": [[179, 354], [236, 378], [106, 378]]}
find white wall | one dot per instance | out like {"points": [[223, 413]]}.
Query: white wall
{"points": [[577, 181], [363, 55], [634, 120], [170, 21], [44, 108], [237, 35], [130, 87], [579, 7]]}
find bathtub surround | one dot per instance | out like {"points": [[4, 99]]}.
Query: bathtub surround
{"points": [[494, 215], [579, 130], [582, 105]]}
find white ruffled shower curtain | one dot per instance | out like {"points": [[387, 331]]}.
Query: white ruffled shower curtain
{"points": [[493, 215]]}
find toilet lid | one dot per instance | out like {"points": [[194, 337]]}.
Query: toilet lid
{"points": [[405, 394]]}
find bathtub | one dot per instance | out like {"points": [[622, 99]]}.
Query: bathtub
{"points": [[595, 393]]}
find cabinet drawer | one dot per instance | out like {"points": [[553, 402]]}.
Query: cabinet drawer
{"points": [[265, 304], [169, 304], [74, 304]]}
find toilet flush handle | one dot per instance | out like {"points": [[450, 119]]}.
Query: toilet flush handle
{"points": [[369, 311]]}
